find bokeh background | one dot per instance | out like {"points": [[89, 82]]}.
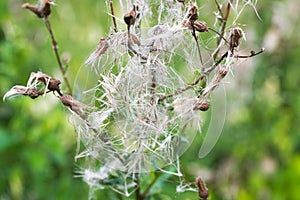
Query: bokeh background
{"points": [[256, 157]]}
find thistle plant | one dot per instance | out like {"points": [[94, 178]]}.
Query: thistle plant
{"points": [[149, 82]]}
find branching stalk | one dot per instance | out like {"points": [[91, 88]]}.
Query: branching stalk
{"points": [[181, 90], [223, 25]]}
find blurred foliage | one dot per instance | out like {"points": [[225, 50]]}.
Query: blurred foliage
{"points": [[256, 157]]}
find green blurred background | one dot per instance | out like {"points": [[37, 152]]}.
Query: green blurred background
{"points": [[256, 157]]}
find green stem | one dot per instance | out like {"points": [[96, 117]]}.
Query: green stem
{"points": [[138, 189], [145, 193]]}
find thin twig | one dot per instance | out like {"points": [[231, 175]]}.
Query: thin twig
{"points": [[55, 49], [219, 8], [252, 53], [221, 36], [113, 15], [181, 90], [198, 47]]}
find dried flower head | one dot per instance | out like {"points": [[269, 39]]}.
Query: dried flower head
{"points": [[202, 189], [42, 10], [130, 17], [235, 35], [202, 104], [33, 88], [22, 90], [192, 12], [75, 106], [199, 26]]}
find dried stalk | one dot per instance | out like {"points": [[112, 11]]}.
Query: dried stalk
{"points": [[55, 49]]}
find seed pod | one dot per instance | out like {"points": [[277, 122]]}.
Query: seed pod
{"points": [[235, 36], [222, 71], [130, 17], [199, 26], [42, 10], [202, 105], [202, 189], [54, 85], [73, 104], [192, 12]]}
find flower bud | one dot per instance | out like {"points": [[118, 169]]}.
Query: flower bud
{"points": [[202, 189], [130, 17], [54, 85], [202, 105]]}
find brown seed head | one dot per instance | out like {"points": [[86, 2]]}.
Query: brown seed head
{"points": [[202, 105], [222, 71], [42, 10], [202, 189], [192, 12], [73, 104], [54, 85], [199, 26], [235, 36], [130, 17]]}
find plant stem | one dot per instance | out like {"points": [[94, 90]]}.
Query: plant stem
{"points": [[223, 25], [145, 193], [216, 63], [181, 90], [219, 8], [138, 189], [113, 15], [55, 49], [198, 47], [252, 53]]}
